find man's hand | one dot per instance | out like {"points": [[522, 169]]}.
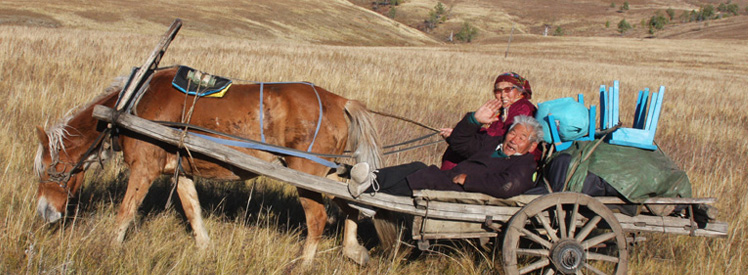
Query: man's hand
{"points": [[445, 132], [459, 179], [486, 114]]}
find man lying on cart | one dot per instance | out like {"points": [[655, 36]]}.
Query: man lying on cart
{"points": [[498, 166]]}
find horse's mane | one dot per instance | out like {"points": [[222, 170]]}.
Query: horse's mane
{"points": [[58, 133]]}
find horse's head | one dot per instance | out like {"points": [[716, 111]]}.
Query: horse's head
{"points": [[59, 175], [66, 150]]}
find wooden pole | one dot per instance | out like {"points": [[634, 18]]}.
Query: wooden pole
{"points": [[506, 53], [150, 64]]}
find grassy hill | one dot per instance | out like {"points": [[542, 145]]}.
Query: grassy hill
{"points": [[342, 22]]}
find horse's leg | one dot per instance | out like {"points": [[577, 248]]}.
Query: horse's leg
{"points": [[140, 181], [314, 208], [316, 218], [351, 247], [191, 206]]}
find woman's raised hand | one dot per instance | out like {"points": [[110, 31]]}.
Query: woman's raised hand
{"points": [[486, 114]]}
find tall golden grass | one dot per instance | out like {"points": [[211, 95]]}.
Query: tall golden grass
{"points": [[258, 227]]}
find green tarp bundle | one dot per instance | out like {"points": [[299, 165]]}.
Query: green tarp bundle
{"points": [[636, 173]]}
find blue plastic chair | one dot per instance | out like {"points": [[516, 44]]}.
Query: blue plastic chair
{"points": [[555, 137], [609, 106], [643, 130]]}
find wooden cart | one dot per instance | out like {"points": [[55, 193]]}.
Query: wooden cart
{"points": [[555, 233]]}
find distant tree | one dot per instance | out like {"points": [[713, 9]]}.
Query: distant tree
{"points": [[623, 26], [625, 6], [392, 12], [657, 22], [613, 4], [722, 7], [728, 8], [439, 8], [746, 9], [436, 16], [707, 12], [607, 24], [733, 9], [559, 31], [466, 33], [670, 13]]}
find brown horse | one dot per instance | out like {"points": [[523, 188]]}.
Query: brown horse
{"points": [[290, 116]]}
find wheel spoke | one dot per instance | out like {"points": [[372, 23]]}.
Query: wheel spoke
{"points": [[539, 264], [593, 269], [550, 272], [598, 239], [534, 252], [588, 228], [561, 217], [535, 238], [601, 257], [573, 220], [547, 225]]}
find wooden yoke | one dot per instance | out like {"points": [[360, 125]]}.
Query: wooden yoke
{"points": [[144, 72]]}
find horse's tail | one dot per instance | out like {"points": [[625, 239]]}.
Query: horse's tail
{"points": [[362, 135]]}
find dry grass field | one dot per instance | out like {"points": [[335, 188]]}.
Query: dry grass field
{"points": [[257, 226]]}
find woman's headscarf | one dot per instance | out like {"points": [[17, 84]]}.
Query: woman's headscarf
{"points": [[516, 80]]}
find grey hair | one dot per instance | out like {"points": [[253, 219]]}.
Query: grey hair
{"points": [[531, 123]]}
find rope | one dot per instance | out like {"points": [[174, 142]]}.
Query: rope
{"points": [[406, 120], [206, 130]]}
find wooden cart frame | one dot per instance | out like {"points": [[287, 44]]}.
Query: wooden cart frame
{"points": [[558, 233]]}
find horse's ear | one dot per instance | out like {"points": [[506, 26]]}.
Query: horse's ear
{"points": [[42, 135]]}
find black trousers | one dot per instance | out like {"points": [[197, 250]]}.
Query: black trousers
{"points": [[393, 180]]}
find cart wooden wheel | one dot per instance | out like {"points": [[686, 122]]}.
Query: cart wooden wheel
{"points": [[564, 233]]}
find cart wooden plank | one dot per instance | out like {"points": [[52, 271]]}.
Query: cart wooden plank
{"points": [[670, 224]]}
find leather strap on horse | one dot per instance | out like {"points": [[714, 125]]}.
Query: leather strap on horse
{"points": [[62, 178]]}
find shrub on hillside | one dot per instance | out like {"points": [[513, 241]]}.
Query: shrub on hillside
{"points": [[466, 33], [436, 16], [656, 23], [558, 32], [707, 12], [625, 6], [729, 8], [670, 13], [623, 26]]}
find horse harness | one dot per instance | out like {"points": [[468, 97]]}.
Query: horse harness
{"points": [[61, 178]]}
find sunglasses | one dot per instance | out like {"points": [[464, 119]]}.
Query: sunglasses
{"points": [[506, 89]]}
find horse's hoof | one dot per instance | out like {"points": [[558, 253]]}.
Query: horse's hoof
{"points": [[359, 254]]}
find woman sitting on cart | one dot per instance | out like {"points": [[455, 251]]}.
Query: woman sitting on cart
{"points": [[500, 166], [514, 93]]}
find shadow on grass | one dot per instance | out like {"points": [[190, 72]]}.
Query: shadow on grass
{"points": [[257, 202]]}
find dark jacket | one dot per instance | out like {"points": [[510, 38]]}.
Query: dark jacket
{"points": [[486, 172], [499, 128]]}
